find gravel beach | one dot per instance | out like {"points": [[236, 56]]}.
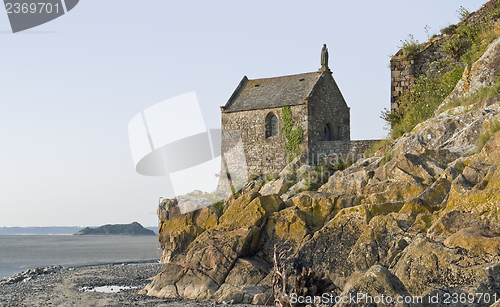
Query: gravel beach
{"points": [[57, 286]]}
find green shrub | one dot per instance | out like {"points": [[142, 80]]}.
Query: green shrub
{"points": [[449, 29], [478, 46], [410, 46], [219, 205], [420, 103], [487, 134], [463, 13], [454, 45]]}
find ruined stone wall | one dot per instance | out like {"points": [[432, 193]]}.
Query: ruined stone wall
{"points": [[327, 106], [402, 77], [405, 70], [263, 155]]}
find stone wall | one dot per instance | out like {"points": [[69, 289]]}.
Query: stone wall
{"points": [[263, 155], [405, 70], [359, 147], [327, 106], [356, 148], [327, 148]]}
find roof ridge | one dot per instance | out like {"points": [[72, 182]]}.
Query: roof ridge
{"points": [[301, 74]]}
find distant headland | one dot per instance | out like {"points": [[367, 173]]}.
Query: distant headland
{"points": [[118, 229]]}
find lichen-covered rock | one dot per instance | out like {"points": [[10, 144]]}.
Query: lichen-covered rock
{"points": [[379, 243], [476, 241], [290, 224], [329, 247], [436, 193], [317, 206], [481, 207], [426, 206], [178, 230], [293, 166], [199, 272], [296, 188], [425, 266], [346, 183], [209, 258], [377, 287], [367, 212], [456, 133], [277, 186], [245, 213], [196, 285], [163, 284]]}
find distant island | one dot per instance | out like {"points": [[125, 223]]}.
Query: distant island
{"points": [[118, 229]]}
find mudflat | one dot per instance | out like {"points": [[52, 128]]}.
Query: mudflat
{"points": [[64, 287]]}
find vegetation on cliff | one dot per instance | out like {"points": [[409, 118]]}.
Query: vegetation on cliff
{"points": [[465, 43]]}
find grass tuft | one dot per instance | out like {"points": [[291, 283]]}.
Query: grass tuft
{"points": [[486, 135]]}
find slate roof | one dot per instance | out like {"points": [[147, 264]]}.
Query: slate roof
{"points": [[271, 92]]}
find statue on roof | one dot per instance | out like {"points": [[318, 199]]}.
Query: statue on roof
{"points": [[324, 60], [324, 56]]}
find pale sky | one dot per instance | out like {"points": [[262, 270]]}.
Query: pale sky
{"points": [[68, 88]]}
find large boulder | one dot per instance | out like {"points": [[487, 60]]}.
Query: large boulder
{"points": [[288, 225], [329, 248], [277, 186], [203, 267], [425, 266], [476, 241], [178, 230], [379, 243], [378, 287], [317, 207]]}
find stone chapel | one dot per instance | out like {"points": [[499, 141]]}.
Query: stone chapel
{"points": [[255, 110]]}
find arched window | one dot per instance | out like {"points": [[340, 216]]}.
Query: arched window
{"points": [[271, 125], [339, 133], [327, 132]]}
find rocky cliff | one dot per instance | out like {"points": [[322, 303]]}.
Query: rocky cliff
{"points": [[420, 218]]}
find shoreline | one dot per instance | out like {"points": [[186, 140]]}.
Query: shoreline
{"points": [[97, 264], [62, 286], [56, 285]]}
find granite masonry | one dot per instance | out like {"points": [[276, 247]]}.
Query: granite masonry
{"points": [[255, 112]]}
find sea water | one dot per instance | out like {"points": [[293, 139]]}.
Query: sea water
{"points": [[20, 253]]}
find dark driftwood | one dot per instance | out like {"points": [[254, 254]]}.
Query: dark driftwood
{"points": [[308, 283]]}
